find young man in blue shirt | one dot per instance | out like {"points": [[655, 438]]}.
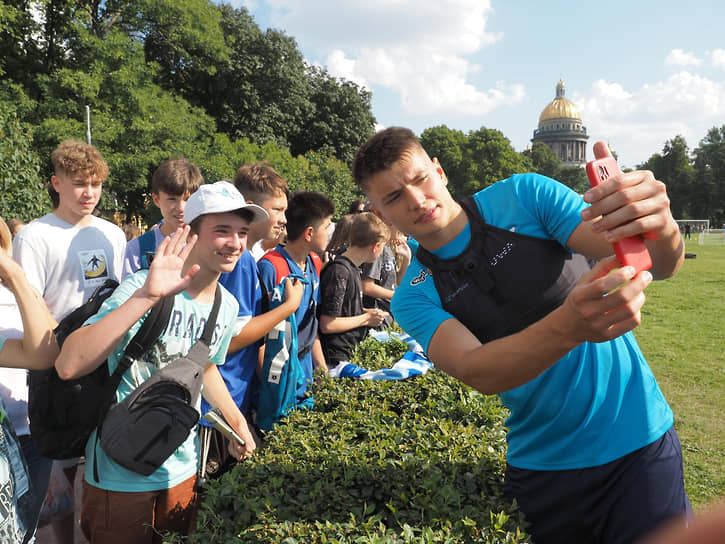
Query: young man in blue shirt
{"points": [[498, 298]]}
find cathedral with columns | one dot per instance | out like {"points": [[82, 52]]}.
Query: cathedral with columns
{"points": [[560, 127]]}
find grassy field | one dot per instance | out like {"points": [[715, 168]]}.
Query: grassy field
{"points": [[683, 337]]}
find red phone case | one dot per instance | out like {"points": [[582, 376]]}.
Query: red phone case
{"points": [[630, 251]]}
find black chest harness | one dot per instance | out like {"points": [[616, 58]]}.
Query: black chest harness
{"points": [[503, 281]]}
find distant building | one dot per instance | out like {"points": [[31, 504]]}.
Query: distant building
{"points": [[560, 127]]}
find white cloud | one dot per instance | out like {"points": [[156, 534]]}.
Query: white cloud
{"points": [[717, 58], [341, 66], [421, 53], [678, 57], [640, 121]]}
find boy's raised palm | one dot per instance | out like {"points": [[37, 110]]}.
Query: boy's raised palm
{"points": [[166, 273]]}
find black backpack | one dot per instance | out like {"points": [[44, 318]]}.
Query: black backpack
{"points": [[63, 413], [142, 431]]}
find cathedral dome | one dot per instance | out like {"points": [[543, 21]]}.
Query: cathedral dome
{"points": [[560, 107], [560, 127]]}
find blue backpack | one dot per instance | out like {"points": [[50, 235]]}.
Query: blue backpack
{"points": [[147, 248], [282, 374]]}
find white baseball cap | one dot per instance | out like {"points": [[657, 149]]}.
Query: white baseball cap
{"points": [[219, 197]]}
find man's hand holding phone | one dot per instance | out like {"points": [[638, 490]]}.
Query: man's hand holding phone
{"points": [[630, 250]]}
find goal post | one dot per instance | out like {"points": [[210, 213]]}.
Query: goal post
{"points": [[699, 229], [712, 237]]}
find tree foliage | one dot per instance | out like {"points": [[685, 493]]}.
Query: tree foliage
{"points": [[707, 200], [695, 181], [23, 193], [169, 79], [674, 168], [472, 161], [340, 118]]}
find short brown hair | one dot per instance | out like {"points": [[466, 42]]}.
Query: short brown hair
{"points": [[258, 181], [176, 177], [367, 229], [381, 152], [74, 156]]}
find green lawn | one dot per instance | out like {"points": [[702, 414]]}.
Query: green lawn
{"points": [[683, 337]]}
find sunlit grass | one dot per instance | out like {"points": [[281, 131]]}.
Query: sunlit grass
{"points": [[683, 337]]}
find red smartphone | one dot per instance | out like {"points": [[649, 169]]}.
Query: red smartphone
{"points": [[630, 251]]}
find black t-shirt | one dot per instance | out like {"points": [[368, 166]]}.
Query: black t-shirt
{"points": [[341, 296], [383, 272]]}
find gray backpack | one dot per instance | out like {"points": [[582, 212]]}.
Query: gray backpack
{"points": [[141, 432]]}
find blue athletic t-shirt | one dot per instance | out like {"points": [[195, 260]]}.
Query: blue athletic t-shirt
{"points": [[596, 404], [238, 370]]}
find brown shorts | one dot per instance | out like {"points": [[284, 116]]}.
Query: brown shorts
{"points": [[111, 517]]}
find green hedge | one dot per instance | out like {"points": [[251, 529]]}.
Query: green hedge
{"points": [[420, 460]]}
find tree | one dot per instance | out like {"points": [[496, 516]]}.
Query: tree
{"points": [[708, 195], [543, 160], [488, 157], [473, 161], [260, 92], [574, 177], [184, 38], [23, 194], [447, 145], [136, 124], [340, 118], [673, 167], [329, 175]]}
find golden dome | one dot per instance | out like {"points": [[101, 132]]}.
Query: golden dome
{"points": [[560, 107]]}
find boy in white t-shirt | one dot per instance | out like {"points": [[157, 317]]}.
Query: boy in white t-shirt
{"points": [[66, 254]]}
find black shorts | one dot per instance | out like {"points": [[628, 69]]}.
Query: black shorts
{"points": [[615, 503]]}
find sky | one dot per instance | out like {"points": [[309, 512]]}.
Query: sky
{"points": [[639, 71]]}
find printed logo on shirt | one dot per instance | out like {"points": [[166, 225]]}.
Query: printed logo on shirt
{"points": [[420, 278], [505, 250], [94, 265], [457, 292]]}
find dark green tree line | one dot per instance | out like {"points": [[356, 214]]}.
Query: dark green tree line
{"points": [[695, 181], [475, 160], [167, 79]]}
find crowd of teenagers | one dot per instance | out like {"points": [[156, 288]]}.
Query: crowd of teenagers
{"points": [[513, 291]]}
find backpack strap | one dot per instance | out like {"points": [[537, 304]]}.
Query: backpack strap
{"points": [[208, 332], [281, 267], [265, 294], [77, 317], [199, 352], [152, 327], [150, 330], [317, 262], [147, 247]]}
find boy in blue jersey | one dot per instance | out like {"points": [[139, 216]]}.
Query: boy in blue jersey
{"points": [[122, 506], [308, 220], [171, 185], [260, 184], [497, 298]]}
